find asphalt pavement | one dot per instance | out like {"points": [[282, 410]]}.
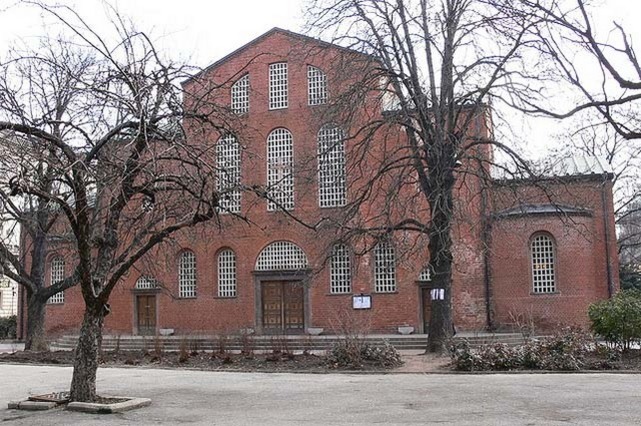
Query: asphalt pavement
{"points": [[217, 398]]}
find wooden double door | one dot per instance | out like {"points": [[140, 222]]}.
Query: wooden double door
{"points": [[283, 306], [146, 314]]}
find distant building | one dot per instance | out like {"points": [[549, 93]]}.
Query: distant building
{"points": [[524, 251]]}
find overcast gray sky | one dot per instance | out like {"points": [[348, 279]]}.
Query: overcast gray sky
{"points": [[202, 31]]}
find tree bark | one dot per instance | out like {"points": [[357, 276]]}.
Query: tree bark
{"points": [[83, 382], [35, 339]]}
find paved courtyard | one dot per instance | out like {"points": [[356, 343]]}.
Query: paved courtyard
{"points": [[316, 399]]}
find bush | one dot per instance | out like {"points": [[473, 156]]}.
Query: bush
{"points": [[355, 354], [8, 327], [565, 351], [618, 320]]}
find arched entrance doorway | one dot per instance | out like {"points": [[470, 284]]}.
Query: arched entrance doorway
{"points": [[282, 298], [145, 305]]}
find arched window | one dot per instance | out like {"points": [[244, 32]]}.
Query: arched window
{"points": [[340, 273], [278, 93], [384, 268], [316, 85], [240, 95], [226, 273], [146, 283], [280, 180], [187, 275], [426, 274], [331, 167], [228, 173], [543, 257], [281, 256], [57, 274]]}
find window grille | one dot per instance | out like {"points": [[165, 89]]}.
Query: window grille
{"points": [[57, 275], [281, 256], [543, 276], [317, 86], [240, 95], [278, 96], [226, 274], [331, 167], [187, 275], [426, 274], [280, 180], [228, 174], [146, 283], [340, 270], [385, 268]]}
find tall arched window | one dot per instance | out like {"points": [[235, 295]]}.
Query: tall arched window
{"points": [[187, 275], [240, 95], [543, 256], [340, 273], [331, 167], [316, 85], [384, 268], [228, 173], [226, 273], [280, 180], [57, 274]]}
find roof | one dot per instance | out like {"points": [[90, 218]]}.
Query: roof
{"points": [[262, 37], [576, 164]]}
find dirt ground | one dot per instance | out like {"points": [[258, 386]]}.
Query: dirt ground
{"points": [[282, 362]]}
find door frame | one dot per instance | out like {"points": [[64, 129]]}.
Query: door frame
{"points": [[303, 276], [422, 286], [146, 292]]}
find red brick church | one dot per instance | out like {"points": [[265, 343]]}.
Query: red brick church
{"points": [[525, 251]]}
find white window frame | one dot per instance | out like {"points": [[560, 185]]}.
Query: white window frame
{"points": [[228, 174], [187, 273], [331, 167], [57, 274], [282, 256], [384, 268], [226, 273], [280, 177], [240, 95], [426, 274], [278, 86], [340, 270], [543, 263], [316, 86], [145, 282]]}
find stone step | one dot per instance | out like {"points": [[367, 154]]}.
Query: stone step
{"points": [[264, 343]]}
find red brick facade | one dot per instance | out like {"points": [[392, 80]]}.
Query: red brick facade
{"points": [[492, 257]]}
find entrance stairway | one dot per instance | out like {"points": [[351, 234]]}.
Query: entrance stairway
{"points": [[279, 342]]}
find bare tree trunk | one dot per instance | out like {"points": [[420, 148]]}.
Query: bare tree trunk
{"points": [[83, 382], [441, 326], [35, 340]]}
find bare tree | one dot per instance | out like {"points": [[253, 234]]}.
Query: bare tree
{"points": [[439, 65], [119, 174]]}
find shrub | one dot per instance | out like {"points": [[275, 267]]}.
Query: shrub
{"points": [[564, 351], [356, 354], [8, 327], [618, 320]]}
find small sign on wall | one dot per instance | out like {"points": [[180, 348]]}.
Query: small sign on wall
{"points": [[362, 301], [437, 294]]}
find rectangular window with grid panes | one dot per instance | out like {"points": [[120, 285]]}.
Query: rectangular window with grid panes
{"points": [[187, 275], [385, 268], [543, 275], [278, 86], [226, 274], [57, 274], [331, 167], [280, 179], [340, 270], [240, 95], [316, 86], [228, 174]]}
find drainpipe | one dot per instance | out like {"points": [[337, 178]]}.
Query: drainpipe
{"points": [[606, 229], [485, 240]]}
